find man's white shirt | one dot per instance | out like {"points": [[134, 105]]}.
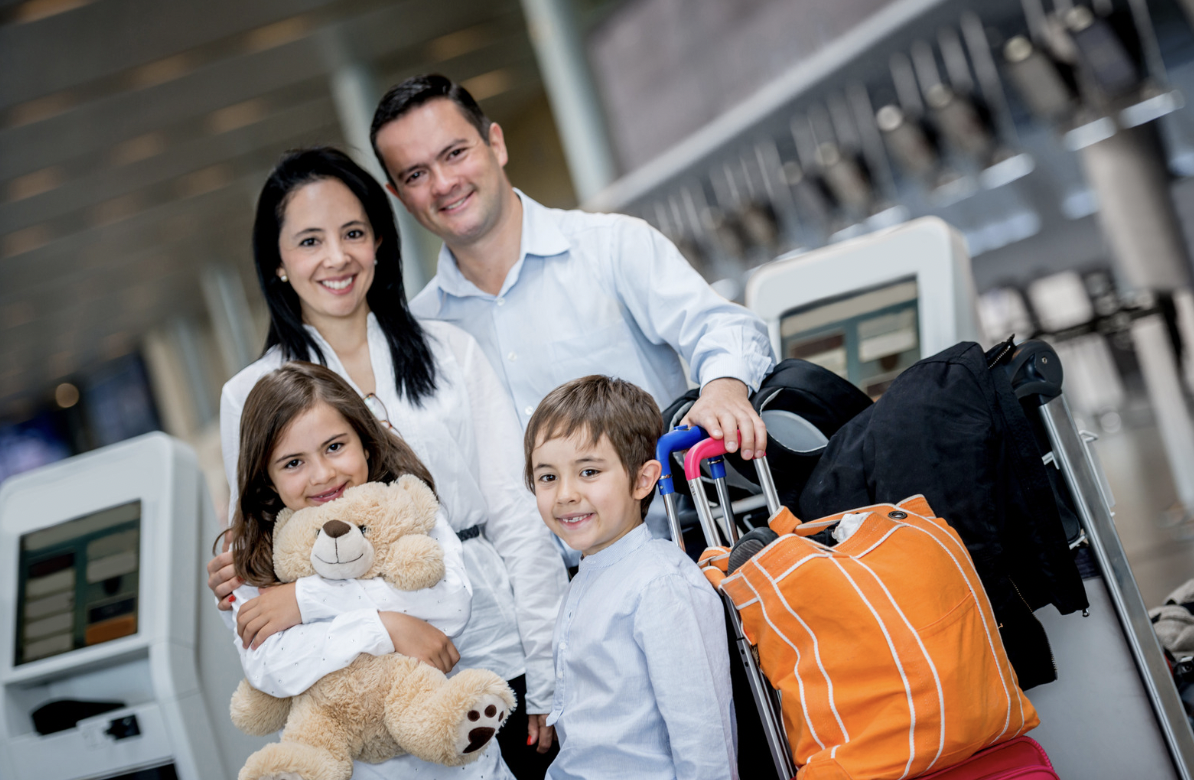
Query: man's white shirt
{"points": [[599, 294]]}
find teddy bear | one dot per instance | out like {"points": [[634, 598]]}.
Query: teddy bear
{"points": [[378, 707]]}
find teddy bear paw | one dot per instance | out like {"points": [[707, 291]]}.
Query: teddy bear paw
{"points": [[283, 776], [482, 721]]}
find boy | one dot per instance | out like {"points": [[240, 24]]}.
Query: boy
{"points": [[642, 667]]}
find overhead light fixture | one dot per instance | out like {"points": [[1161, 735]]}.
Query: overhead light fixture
{"points": [[459, 43], [26, 240], [489, 84], [277, 34], [39, 110], [237, 116], [204, 181], [161, 71], [66, 395], [114, 210], [136, 149], [35, 183], [36, 10]]}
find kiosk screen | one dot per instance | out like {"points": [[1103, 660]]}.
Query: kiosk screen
{"points": [[78, 583], [867, 338]]}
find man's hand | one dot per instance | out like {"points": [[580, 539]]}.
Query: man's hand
{"points": [[724, 406], [420, 640], [276, 609], [221, 577], [539, 732]]}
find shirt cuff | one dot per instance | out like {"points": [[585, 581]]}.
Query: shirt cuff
{"points": [[309, 608], [727, 366], [381, 644], [540, 685]]}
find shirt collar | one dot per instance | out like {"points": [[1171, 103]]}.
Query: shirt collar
{"points": [[372, 330], [541, 237], [618, 550]]}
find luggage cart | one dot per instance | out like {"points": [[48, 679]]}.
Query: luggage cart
{"points": [[701, 448], [1114, 679]]}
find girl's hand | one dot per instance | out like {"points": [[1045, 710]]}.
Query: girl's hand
{"points": [[420, 640], [222, 579], [538, 731], [276, 609]]}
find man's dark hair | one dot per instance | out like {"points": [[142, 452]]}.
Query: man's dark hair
{"points": [[416, 91]]}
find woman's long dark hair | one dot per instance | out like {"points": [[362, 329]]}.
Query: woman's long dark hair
{"points": [[271, 406], [414, 367]]}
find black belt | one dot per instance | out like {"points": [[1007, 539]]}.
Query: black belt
{"points": [[471, 532]]}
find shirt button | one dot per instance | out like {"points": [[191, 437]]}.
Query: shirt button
{"points": [[560, 675], [512, 356], [501, 301], [529, 410]]}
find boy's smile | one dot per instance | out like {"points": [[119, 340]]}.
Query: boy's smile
{"points": [[584, 493]]}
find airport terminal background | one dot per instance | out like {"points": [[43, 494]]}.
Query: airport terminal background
{"points": [[135, 134]]}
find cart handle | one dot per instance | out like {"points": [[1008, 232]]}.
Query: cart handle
{"points": [[680, 438], [709, 448]]}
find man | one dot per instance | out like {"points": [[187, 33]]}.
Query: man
{"points": [[554, 295]]}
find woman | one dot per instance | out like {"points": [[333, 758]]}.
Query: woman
{"points": [[326, 251]]}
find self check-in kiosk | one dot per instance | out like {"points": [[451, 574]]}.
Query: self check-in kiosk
{"points": [[113, 661], [859, 308], [867, 309]]}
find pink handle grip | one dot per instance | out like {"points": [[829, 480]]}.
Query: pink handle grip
{"points": [[702, 450]]}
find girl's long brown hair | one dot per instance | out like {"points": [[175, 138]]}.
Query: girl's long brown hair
{"points": [[274, 402]]}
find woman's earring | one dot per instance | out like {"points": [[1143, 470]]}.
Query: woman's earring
{"points": [[284, 277]]}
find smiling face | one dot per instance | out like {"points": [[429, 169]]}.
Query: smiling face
{"points": [[584, 493], [317, 458], [328, 249], [446, 174]]}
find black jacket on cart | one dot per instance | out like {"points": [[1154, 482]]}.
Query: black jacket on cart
{"points": [[952, 430]]}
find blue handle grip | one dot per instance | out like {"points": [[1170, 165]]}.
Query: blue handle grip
{"points": [[678, 439]]}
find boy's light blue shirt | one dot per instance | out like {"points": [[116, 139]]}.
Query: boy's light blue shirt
{"points": [[642, 669], [599, 294]]}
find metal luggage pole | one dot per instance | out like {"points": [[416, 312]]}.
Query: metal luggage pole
{"points": [[1084, 478], [766, 698], [1073, 458], [675, 440]]}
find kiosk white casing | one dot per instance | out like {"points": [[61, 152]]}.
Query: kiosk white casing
{"points": [[153, 670], [927, 251]]}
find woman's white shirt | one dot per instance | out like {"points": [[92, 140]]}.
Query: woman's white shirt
{"points": [[469, 438]]}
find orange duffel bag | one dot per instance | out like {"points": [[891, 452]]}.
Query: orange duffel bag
{"points": [[883, 647]]}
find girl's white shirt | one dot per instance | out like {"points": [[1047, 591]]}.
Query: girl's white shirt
{"points": [[469, 438], [341, 621]]}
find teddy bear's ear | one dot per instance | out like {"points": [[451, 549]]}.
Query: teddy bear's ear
{"points": [[282, 518], [422, 500]]}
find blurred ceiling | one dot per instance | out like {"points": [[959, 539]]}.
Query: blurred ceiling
{"points": [[134, 135]]}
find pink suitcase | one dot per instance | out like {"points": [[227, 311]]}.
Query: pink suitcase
{"points": [[1017, 759]]}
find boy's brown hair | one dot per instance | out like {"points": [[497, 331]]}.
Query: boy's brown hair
{"points": [[272, 405], [599, 406]]}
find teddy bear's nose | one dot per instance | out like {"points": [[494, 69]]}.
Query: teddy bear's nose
{"points": [[336, 528]]}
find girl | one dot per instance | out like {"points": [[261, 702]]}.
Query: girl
{"points": [[326, 251], [307, 438]]}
